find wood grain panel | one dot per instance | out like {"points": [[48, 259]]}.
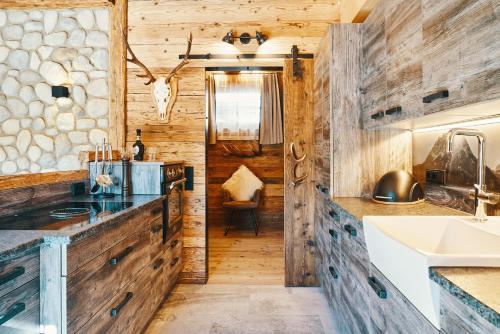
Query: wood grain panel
{"points": [[299, 200], [158, 42], [268, 167], [28, 180], [181, 139]]}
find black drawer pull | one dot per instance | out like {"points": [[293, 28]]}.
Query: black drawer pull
{"points": [[439, 95], [324, 190], [351, 230], [334, 234], [13, 274], [158, 264], [377, 287], [115, 310], [378, 115], [157, 228], [318, 186], [334, 215], [174, 243], [174, 261], [12, 312], [333, 272], [114, 261], [395, 110]]}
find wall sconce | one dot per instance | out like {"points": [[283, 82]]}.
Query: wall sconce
{"points": [[245, 38], [60, 91]]}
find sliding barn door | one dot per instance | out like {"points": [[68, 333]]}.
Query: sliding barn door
{"points": [[299, 186]]}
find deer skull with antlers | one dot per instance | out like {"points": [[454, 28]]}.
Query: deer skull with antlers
{"points": [[163, 89]]}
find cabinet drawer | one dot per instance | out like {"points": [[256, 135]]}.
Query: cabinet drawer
{"points": [[127, 311], [20, 309], [156, 236], [355, 317], [93, 285], [391, 312], [83, 251], [19, 270]]}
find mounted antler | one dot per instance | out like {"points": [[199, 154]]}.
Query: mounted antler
{"points": [[164, 89]]}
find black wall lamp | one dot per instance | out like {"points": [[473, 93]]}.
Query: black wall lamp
{"points": [[60, 91], [245, 38]]}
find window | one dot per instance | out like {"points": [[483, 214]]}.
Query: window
{"points": [[237, 106]]}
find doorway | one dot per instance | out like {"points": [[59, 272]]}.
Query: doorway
{"points": [[241, 257]]}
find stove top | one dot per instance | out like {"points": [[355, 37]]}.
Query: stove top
{"points": [[62, 216]]}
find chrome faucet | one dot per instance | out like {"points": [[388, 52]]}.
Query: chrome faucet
{"points": [[479, 193]]}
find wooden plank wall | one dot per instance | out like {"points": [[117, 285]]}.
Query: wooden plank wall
{"points": [[158, 29], [157, 33], [183, 138], [299, 200], [268, 167]]}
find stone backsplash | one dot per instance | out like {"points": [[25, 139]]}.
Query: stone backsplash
{"points": [[429, 152], [40, 49]]}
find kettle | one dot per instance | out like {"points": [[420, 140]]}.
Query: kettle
{"points": [[398, 187]]}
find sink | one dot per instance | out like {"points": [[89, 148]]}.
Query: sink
{"points": [[404, 247]]}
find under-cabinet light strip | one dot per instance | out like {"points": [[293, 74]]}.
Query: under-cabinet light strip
{"points": [[473, 123]]}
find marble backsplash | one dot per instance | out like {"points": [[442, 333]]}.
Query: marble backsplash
{"points": [[460, 166]]}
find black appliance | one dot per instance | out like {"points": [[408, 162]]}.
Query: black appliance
{"points": [[398, 187], [173, 188]]}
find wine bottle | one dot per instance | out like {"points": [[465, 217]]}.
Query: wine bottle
{"points": [[138, 147]]}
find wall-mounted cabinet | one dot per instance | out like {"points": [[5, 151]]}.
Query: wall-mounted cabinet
{"points": [[423, 56]]}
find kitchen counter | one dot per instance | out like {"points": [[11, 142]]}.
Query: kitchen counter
{"points": [[476, 287], [359, 207], [14, 242]]}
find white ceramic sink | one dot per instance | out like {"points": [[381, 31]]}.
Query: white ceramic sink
{"points": [[404, 247]]}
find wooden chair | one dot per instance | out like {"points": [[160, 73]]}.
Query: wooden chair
{"points": [[250, 206]]}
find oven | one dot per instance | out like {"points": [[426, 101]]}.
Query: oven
{"points": [[173, 205]]}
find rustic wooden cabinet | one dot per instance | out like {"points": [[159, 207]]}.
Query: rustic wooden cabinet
{"points": [[115, 279], [374, 83], [390, 311], [461, 52], [424, 56], [19, 293], [363, 300]]}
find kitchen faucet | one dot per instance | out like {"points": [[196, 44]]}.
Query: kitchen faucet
{"points": [[479, 194]]}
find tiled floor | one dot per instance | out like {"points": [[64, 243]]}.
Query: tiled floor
{"points": [[243, 309]]}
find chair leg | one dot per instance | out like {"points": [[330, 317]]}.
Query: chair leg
{"points": [[228, 226], [256, 222]]}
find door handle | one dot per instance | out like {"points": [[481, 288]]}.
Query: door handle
{"points": [[439, 95], [351, 230], [12, 312], [377, 287], [13, 274]]}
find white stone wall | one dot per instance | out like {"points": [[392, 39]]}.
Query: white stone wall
{"points": [[39, 49]]}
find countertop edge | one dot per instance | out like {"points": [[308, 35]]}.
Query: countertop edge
{"points": [[482, 309], [35, 238]]}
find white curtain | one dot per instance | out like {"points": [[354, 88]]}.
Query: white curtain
{"points": [[238, 105], [271, 116]]}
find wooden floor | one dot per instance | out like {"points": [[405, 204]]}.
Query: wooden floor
{"points": [[243, 258], [243, 309]]}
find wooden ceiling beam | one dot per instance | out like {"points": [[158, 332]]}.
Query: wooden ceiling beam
{"points": [[356, 11]]}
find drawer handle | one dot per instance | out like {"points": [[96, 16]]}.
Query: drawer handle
{"points": [[439, 95], [351, 230], [174, 243], [333, 272], [377, 287], [318, 186], [12, 312], [393, 111], [13, 274], [324, 190], [115, 310], [334, 235], [378, 115], [158, 264], [156, 229], [114, 261], [174, 261], [334, 215]]}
